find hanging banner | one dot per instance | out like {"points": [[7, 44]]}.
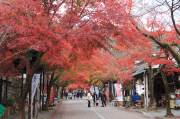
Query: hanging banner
{"points": [[34, 85], [97, 91], [119, 92], [52, 94], [36, 78], [92, 89], [107, 90], [84, 91], [115, 91], [112, 90]]}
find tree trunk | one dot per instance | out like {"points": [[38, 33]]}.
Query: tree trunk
{"points": [[152, 105], [48, 98], [110, 90], [27, 85], [23, 96], [21, 110], [49, 91], [152, 99], [168, 109], [62, 94]]}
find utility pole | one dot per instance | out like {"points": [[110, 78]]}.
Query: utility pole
{"points": [[147, 91], [40, 92], [43, 93]]}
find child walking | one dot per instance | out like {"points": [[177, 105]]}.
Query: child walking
{"points": [[97, 101]]}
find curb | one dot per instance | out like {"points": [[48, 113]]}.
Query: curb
{"points": [[50, 115], [159, 117], [156, 117]]}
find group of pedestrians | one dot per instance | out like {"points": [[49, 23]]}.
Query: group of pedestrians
{"points": [[97, 98], [75, 94], [78, 94]]}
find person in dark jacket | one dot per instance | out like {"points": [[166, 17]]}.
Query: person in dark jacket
{"points": [[94, 98], [104, 100], [78, 95], [100, 97], [66, 94], [74, 95]]}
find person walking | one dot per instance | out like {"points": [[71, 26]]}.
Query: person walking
{"points": [[104, 100], [80, 94], [94, 98], [66, 94], [77, 95], [74, 95], [89, 99], [97, 101], [100, 97]]}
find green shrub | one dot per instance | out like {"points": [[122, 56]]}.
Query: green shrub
{"points": [[11, 99]]}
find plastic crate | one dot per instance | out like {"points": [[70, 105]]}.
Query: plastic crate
{"points": [[136, 97]]}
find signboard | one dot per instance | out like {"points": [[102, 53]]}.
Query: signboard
{"points": [[52, 94], [119, 91], [92, 89], [35, 83], [97, 91], [107, 90], [112, 90]]}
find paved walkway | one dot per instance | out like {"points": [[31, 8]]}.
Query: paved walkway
{"points": [[161, 112], [78, 109]]}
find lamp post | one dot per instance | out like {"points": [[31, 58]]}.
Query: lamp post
{"points": [[40, 92]]}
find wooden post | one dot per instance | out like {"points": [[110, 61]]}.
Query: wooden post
{"points": [[29, 108]]}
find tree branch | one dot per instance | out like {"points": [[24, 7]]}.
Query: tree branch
{"points": [[172, 17], [83, 9], [14, 55]]}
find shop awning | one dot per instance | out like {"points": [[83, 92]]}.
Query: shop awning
{"points": [[138, 72]]}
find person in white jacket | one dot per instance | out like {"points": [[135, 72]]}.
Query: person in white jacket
{"points": [[89, 99]]}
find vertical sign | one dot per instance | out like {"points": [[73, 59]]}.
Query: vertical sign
{"points": [[97, 91], [107, 90], [119, 92], [35, 83], [112, 90], [92, 89], [52, 94]]}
